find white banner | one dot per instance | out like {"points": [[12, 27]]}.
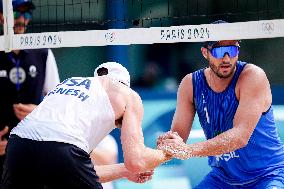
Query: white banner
{"points": [[174, 34]]}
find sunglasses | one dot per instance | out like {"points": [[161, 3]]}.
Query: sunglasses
{"points": [[221, 51], [26, 15]]}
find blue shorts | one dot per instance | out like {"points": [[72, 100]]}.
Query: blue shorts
{"points": [[273, 181]]}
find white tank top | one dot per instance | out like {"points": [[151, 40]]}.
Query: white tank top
{"points": [[78, 111]]}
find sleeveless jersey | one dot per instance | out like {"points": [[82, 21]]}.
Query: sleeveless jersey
{"points": [[78, 111], [264, 152]]}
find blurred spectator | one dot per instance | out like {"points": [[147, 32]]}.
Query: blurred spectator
{"points": [[161, 54], [25, 76], [183, 69], [150, 76], [153, 78], [105, 153]]}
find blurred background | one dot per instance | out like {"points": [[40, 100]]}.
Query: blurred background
{"points": [[157, 69]]}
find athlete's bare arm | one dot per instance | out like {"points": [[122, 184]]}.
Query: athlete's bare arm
{"points": [[185, 111], [137, 157], [254, 95], [109, 173]]}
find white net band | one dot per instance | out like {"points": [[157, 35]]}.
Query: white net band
{"points": [[174, 34]]}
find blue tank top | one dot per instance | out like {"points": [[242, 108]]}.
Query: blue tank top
{"points": [[264, 152]]}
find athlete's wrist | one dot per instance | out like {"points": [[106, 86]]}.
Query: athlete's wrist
{"points": [[124, 172]]}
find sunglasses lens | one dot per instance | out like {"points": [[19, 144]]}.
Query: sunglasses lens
{"points": [[26, 15], [220, 52]]}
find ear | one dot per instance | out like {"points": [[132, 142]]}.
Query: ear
{"points": [[204, 52]]}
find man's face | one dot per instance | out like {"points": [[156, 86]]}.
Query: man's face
{"points": [[22, 18], [224, 65]]}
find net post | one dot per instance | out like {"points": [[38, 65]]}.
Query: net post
{"points": [[8, 25]]}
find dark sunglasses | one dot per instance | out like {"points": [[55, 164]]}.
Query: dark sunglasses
{"points": [[26, 15], [221, 51]]}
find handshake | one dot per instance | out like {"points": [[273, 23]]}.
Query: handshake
{"points": [[173, 145]]}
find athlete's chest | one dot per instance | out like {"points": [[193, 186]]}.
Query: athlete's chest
{"points": [[216, 111]]}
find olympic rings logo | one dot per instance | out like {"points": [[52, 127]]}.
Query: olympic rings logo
{"points": [[110, 37], [268, 27]]}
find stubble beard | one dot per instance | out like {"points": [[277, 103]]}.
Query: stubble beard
{"points": [[219, 74]]}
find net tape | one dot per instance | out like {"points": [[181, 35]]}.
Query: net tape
{"points": [[173, 34]]}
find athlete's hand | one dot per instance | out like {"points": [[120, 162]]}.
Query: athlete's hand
{"points": [[172, 144], [168, 135], [22, 110], [170, 139], [3, 141], [140, 177]]}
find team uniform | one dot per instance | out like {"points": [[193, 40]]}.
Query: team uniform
{"points": [[23, 79], [69, 123], [260, 164]]}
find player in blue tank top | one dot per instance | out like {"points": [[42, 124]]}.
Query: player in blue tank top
{"points": [[233, 102]]}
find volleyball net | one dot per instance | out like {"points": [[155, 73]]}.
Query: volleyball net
{"points": [[174, 34], [77, 23], [160, 37]]}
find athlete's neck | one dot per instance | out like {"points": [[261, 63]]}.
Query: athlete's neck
{"points": [[217, 83]]}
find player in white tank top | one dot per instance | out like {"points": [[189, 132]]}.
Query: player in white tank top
{"points": [[74, 120], [69, 123]]}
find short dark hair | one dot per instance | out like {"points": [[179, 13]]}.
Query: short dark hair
{"points": [[102, 71]]}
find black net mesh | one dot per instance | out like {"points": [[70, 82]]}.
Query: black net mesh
{"points": [[75, 15]]}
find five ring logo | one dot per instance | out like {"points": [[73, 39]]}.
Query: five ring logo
{"points": [[268, 27], [110, 36]]}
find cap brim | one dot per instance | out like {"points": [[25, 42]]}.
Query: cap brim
{"points": [[209, 43], [212, 43], [24, 6]]}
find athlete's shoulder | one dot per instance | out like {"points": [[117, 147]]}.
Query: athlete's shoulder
{"points": [[252, 75], [133, 95], [186, 81], [129, 101], [252, 70], [185, 86]]}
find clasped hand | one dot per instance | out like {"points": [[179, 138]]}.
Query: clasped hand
{"points": [[140, 177], [22, 110], [172, 144]]}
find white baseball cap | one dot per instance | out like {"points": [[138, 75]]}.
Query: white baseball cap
{"points": [[116, 72]]}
